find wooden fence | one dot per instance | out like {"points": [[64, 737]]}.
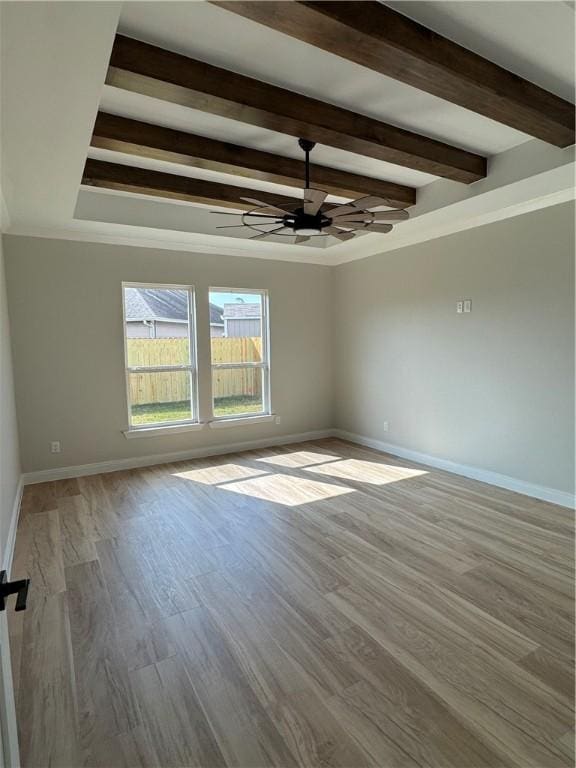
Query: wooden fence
{"points": [[174, 387]]}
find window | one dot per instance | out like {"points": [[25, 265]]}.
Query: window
{"points": [[240, 353], [160, 347]]}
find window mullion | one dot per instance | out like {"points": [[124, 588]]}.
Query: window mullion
{"points": [[159, 368], [232, 366]]}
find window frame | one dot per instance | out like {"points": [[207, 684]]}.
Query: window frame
{"points": [[264, 365], [191, 367]]}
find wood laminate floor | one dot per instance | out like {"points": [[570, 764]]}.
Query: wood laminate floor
{"points": [[318, 604]]}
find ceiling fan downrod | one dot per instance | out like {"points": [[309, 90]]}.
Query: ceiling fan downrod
{"points": [[307, 146]]}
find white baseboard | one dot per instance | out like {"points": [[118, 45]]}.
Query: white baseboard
{"points": [[61, 473], [8, 554], [551, 495]]}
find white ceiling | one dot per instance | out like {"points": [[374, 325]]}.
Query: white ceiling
{"points": [[204, 31], [48, 55], [532, 39]]}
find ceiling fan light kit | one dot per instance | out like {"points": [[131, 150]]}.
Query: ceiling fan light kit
{"points": [[309, 219]]}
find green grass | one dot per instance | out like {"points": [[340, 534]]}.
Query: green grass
{"points": [[234, 406], [152, 413]]}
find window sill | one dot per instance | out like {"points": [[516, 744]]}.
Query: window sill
{"points": [[173, 429], [239, 421]]}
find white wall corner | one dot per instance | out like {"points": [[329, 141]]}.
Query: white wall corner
{"points": [[8, 554], [4, 213]]}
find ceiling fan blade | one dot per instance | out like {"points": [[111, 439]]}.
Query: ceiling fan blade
{"points": [[400, 215], [379, 228], [267, 206], [313, 199], [341, 210], [300, 239], [265, 234], [338, 233], [358, 216], [259, 224], [362, 204], [351, 224], [247, 213], [365, 203]]}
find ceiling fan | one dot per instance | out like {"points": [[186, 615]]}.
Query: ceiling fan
{"points": [[309, 219]]}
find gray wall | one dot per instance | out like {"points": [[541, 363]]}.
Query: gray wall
{"points": [[493, 389], [66, 316], [9, 456]]}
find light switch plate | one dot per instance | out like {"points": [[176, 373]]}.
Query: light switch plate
{"points": [[459, 307], [467, 305]]}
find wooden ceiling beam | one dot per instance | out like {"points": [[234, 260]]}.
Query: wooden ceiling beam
{"points": [[162, 74], [127, 178], [379, 38], [133, 137]]}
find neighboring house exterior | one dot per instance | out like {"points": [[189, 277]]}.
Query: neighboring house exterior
{"points": [[154, 314], [242, 319]]}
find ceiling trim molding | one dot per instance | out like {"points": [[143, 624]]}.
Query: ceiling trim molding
{"points": [[547, 177], [213, 245], [552, 187], [499, 204]]}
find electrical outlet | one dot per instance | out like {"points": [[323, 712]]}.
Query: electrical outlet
{"points": [[55, 447], [467, 305], [385, 426], [459, 307], [277, 420]]}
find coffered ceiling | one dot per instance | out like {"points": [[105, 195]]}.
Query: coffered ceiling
{"points": [[133, 122]]}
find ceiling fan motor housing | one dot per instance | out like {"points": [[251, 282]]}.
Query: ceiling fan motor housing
{"points": [[305, 224]]}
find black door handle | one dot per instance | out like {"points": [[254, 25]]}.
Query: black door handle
{"points": [[20, 588]]}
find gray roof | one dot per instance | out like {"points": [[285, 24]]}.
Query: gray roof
{"points": [[240, 310], [162, 304]]}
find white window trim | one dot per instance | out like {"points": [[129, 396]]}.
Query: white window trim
{"points": [[158, 431], [165, 427], [242, 420], [266, 413]]}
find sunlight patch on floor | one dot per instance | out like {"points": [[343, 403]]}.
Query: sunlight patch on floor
{"points": [[369, 472], [298, 459], [289, 491], [223, 473]]}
